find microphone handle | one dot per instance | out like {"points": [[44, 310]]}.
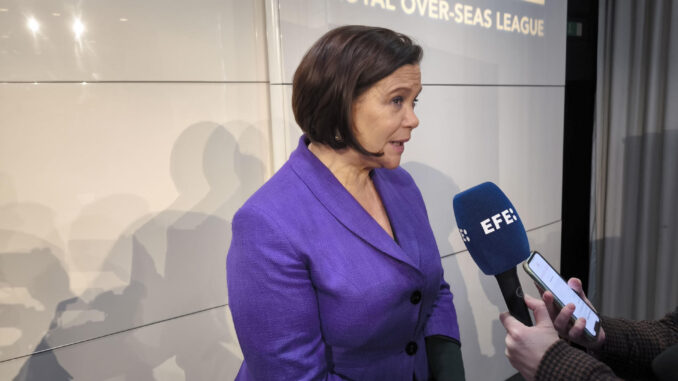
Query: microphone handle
{"points": [[513, 295]]}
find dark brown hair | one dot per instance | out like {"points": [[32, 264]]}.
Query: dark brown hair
{"points": [[336, 70]]}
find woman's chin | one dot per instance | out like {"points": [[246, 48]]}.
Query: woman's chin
{"points": [[391, 164]]}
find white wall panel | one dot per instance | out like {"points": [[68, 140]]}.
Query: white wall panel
{"points": [[116, 202], [478, 301], [202, 346], [127, 40], [455, 52], [467, 135]]}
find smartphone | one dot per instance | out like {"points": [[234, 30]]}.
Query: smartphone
{"points": [[549, 279]]}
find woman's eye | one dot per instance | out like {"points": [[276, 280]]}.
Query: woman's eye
{"points": [[397, 100], [414, 103]]}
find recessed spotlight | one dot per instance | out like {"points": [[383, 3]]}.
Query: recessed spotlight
{"points": [[33, 24], [78, 28]]}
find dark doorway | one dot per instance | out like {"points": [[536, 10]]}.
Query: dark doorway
{"points": [[580, 89]]}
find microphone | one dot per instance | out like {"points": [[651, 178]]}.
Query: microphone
{"points": [[495, 237]]}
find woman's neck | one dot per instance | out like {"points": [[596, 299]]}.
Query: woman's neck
{"points": [[353, 172], [347, 165]]}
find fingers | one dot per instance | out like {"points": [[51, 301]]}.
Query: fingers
{"points": [[548, 299], [562, 320], [541, 314], [575, 284], [577, 329], [507, 320], [533, 303]]}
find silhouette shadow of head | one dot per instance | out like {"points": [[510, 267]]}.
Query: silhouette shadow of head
{"points": [[169, 266]]}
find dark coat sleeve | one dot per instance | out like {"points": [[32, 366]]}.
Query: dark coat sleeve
{"points": [[630, 346], [628, 351], [563, 362]]}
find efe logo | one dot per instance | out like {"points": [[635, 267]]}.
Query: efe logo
{"points": [[464, 235], [506, 217]]}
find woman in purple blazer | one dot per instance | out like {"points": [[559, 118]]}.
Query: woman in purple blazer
{"points": [[333, 270]]}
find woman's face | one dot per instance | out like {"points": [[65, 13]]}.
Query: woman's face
{"points": [[383, 116]]}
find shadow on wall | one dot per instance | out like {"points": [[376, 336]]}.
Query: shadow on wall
{"points": [[435, 186], [32, 278], [162, 266]]}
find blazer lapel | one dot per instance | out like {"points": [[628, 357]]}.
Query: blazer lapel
{"points": [[405, 222], [339, 202]]}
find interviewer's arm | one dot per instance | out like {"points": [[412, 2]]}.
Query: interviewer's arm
{"points": [[630, 346], [563, 362]]}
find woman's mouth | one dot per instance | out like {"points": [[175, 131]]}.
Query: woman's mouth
{"points": [[399, 146]]}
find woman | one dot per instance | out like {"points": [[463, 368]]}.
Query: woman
{"points": [[333, 270]]}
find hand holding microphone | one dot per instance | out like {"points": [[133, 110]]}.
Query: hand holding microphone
{"points": [[525, 346], [495, 237]]}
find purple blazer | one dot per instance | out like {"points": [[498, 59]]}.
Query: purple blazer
{"points": [[319, 291]]}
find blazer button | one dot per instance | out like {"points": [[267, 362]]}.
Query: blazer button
{"points": [[416, 297], [411, 348]]}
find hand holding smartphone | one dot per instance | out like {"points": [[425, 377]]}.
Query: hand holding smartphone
{"points": [[549, 280]]}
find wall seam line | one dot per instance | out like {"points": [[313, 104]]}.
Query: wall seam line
{"points": [[112, 333], [530, 230]]}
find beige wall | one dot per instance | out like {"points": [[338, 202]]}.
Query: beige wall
{"points": [[120, 170], [125, 151]]}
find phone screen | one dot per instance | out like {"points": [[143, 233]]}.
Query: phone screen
{"points": [[557, 285]]}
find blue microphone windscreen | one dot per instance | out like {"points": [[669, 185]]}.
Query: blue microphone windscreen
{"points": [[490, 228]]}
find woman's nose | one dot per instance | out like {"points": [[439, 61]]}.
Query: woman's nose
{"points": [[411, 120]]}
